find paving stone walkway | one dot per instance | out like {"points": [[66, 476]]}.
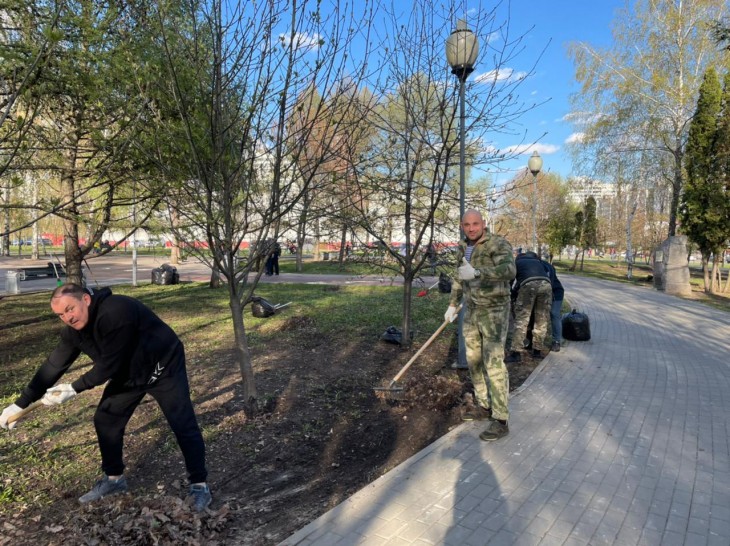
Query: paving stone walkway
{"points": [[619, 440]]}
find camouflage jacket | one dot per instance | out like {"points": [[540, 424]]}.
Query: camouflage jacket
{"points": [[492, 256]]}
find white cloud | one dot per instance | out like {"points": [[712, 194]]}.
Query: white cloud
{"points": [[500, 75], [575, 137], [493, 36], [581, 118], [301, 41], [527, 149]]}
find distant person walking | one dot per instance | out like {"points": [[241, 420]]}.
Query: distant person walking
{"points": [[272, 263]]}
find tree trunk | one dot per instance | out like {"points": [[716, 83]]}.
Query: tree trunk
{"points": [[175, 253], [406, 325], [215, 278], [72, 253], [301, 234], [706, 272], [676, 187], [343, 243], [34, 214], [243, 355], [575, 262], [716, 283], [6, 214], [316, 240]]}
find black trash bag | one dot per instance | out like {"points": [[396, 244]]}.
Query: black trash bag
{"points": [[444, 283], [165, 274], [393, 335], [576, 326], [261, 308]]}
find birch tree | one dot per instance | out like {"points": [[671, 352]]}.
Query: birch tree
{"points": [[642, 89]]}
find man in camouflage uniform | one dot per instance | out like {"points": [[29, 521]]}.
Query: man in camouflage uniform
{"points": [[483, 277], [532, 292]]}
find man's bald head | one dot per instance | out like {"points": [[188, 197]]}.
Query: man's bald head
{"points": [[473, 225]]}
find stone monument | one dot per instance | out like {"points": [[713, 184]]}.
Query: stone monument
{"points": [[671, 270]]}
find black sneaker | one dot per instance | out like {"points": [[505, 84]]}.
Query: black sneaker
{"points": [[478, 413], [536, 353], [199, 497], [103, 488], [556, 347], [512, 356], [495, 431]]}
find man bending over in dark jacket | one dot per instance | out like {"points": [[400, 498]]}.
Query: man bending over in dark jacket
{"points": [[531, 293], [138, 354]]}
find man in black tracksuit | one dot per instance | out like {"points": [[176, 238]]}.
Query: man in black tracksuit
{"points": [[531, 293], [138, 354]]}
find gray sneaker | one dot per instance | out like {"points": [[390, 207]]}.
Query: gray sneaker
{"points": [[105, 487], [199, 497]]}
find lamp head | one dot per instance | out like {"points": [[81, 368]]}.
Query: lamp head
{"points": [[462, 48], [534, 163]]}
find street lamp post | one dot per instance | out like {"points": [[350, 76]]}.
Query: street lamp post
{"points": [[491, 206], [535, 165], [462, 48]]}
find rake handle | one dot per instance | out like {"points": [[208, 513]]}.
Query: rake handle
{"points": [[24, 411], [404, 369]]}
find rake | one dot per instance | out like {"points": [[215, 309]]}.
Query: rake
{"points": [[425, 291], [393, 387]]}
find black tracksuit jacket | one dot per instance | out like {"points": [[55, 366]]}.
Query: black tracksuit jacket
{"points": [[125, 340]]}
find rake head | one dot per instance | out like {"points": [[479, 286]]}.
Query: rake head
{"points": [[392, 391]]}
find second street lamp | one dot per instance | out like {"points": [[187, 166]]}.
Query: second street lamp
{"points": [[462, 48], [535, 165]]}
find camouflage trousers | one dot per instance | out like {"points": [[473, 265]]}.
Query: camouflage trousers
{"points": [[485, 332], [537, 296]]}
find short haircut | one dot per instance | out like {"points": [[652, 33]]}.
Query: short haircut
{"points": [[69, 289]]}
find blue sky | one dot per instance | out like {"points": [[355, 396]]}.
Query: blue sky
{"points": [[558, 22]]}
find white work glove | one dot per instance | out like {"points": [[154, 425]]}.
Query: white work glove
{"points": [[58, 394], [8, 412], [466, 272], [451, 313]]}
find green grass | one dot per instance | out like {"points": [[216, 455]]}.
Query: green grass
{"points": [[55, 446], [312, 267], [617, 272]]}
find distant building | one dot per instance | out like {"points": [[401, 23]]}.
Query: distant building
{"points": [[581, 188]]}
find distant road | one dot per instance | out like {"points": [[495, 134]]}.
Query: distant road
{"points": [[116, 268]]}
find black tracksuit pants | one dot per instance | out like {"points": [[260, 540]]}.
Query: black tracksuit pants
{"points": [[172, 392]]}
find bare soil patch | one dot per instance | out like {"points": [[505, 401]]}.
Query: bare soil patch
{"points": [[323, 434]]}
